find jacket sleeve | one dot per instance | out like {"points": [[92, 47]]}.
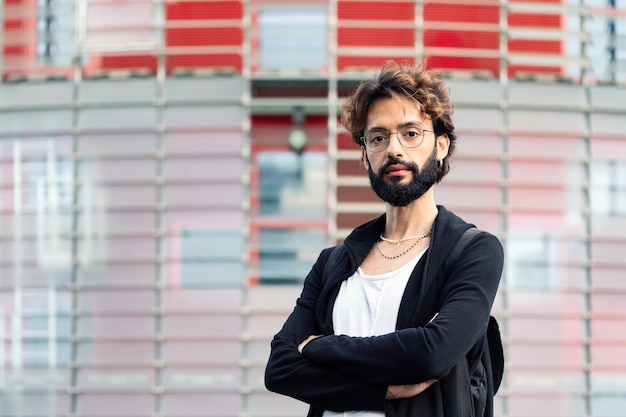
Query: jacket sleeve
{"points": [[289, 373], [413, 355]]}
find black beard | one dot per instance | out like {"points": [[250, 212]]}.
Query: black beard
{"points": [[400, 195]]}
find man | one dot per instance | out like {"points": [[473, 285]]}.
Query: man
{"points": [[384, 331]]}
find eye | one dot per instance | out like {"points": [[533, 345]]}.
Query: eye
{"points": [[377, 139], [412, 132]]}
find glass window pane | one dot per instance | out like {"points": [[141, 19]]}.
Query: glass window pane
{"points": [[213, 117], [544, 329], [115, 379], [202, 353], [190, 218], [546, 122], [292, 37], [222, 89], [112, 24], [114, 223], [123, 196], [116, 327], [292, 185], [117, 118], [475, 197], [58, 275], [201, 327], [215, 169], [36, 94], [35, 404], [548, 146], [48, 121], [202, 258], [206, 405], [555, 355], [206, 142], [116, 275], [276, 405], [286, 255], [117, 145], [208, 196], [546, 402], [115, 353], [120, 171], [113, 405], [117, 249], [117, 91], [197, 300], [563, 96], [126, 300], [215, 378]]}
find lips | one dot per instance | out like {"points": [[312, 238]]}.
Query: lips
{"points": [[397, 170]]}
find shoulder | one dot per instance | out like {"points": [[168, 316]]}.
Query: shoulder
{"points": [[457, 235]]}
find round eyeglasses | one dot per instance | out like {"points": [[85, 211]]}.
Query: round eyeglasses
{"points": [[377, 140]]}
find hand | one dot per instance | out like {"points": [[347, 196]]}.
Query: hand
{"points": [[307, 340], [396, 392]]}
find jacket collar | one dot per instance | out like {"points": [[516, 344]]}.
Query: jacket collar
{"points": [[447, 229]]}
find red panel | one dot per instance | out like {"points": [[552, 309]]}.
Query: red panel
{"points": [[534, 20], [271, 132], [204, 36], [204, 10], [451, 63], [485, 40], [535, 1], [375, 10], [14, 24], [261, 121], [346, 167], [356, 194], [204, 61], [462, 39], [227, 36], [347, 62], [552, 47], [344, 141], [460, 13], [130, 62], [534, 69], [23, 57], [14, 50], [375, 37]]}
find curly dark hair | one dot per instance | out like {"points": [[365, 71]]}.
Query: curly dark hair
{"points": [[426, 87]]}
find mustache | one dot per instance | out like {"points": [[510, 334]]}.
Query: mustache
{"points": [[397, 161]]}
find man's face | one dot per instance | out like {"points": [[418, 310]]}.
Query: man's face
{"points": [[398, 193], [400, 175]]}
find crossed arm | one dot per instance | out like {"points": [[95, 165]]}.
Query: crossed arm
{"points": [[342, 373], [394, 392]]}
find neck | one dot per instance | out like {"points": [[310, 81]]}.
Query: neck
{"points": [[414, 219]]}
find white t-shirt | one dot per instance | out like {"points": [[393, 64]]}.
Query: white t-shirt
{"points": [[367, 305]]}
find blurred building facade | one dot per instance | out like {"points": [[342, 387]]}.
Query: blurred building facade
{"points": [[169, 171]]}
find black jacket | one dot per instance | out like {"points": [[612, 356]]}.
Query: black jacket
{"points": [[342, 373]]}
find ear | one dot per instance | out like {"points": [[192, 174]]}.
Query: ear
{"points": [[443, 144], [366, 163]]}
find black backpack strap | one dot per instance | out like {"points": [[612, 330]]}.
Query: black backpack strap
{"points": [[466, 404], [460, 244], [494, 341]]}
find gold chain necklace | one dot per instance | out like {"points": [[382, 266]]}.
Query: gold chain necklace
{"points": [[404, 239], [419, 238]]}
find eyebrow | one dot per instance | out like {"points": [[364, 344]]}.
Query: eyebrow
{"points": [[400, 126]]}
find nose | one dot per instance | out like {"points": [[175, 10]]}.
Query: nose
{"points": [[395, 147]]}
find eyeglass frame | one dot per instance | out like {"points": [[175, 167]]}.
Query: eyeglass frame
{"points": [[388, 134]]}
